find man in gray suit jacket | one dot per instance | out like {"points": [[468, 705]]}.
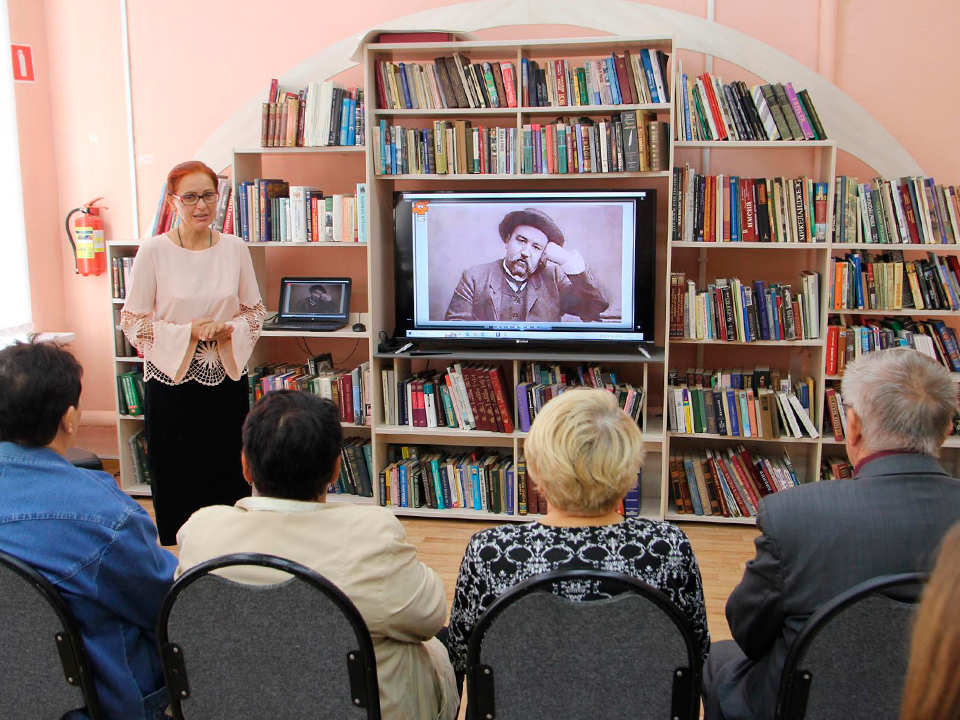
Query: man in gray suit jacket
{"points": [[823, 538], [536, 281]]}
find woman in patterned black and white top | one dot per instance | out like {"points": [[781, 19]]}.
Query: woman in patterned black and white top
{"points": [[583, 452]]}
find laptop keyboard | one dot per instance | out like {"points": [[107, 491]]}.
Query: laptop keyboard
{"points": [[305, 326]]}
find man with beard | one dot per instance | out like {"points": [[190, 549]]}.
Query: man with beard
{"points": [[318, 301], [536, 281]]}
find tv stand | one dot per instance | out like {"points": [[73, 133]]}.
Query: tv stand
{"points": [[530, 353]]}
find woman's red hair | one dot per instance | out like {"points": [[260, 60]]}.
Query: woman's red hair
{"points": [[188, 168]]}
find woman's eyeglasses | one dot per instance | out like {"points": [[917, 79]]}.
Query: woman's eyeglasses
{"points": [[191, 199]]}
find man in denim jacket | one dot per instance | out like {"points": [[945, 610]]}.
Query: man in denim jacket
{"points": [[96, 545]]}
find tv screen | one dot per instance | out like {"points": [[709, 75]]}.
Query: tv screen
{"points": [[525, 267]]}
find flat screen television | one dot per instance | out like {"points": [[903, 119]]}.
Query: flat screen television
{"points": [[525, 267]]}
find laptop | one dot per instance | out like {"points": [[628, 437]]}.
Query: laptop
{"points": [[312, 304]]}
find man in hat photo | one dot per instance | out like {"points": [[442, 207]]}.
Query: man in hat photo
{"points": [[318, 301], [537, 280]]}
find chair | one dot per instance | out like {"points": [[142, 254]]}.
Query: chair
{"points": [[295, 649], [536, 654], [850, 658], [42, 661]]}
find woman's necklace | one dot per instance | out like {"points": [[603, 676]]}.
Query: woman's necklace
{"points": [[209, 241]]}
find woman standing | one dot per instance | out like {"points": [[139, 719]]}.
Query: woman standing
{"points": [[194, 310]]}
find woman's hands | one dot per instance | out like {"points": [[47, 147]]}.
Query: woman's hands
{"points": [[207, 329]]}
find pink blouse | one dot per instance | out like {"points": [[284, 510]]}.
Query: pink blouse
{"points": [[170, 287]]}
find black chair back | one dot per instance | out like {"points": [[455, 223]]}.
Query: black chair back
{"points": [[850, 658], [297, 648], [44, 667], [536, 654]]}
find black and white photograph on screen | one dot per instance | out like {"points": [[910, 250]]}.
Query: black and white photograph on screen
{"points": [[315, 298], [505, 262]]}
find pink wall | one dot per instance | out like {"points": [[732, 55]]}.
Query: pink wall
{"points": [[38, 168], [192, 66]]}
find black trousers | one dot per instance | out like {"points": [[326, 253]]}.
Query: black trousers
{"points": [[193, 446]]}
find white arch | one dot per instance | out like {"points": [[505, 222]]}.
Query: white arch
{"points": [[853, 128]]}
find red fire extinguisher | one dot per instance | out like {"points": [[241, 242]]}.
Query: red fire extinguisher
{"points": [[89, 249]]}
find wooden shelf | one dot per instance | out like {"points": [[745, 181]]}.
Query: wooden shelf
{"points": [[899, 313], [128, 359], [684, 517], [750, 144], [741, 438], [119, 301], [920, 247], [592, 352], [444, 432], [358, 150], [476, 177], [264, 245], [135, 418], [593, 109], [138, 490], [318, 335], [446, 112], [349, 499], [762, 343], [749, 245]]}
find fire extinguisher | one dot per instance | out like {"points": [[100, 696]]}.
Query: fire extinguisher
{"points": [[89, 250]]}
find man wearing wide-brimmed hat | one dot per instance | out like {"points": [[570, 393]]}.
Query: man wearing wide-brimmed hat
{"points": [[536, 281]]}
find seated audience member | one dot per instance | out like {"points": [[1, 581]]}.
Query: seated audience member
{"points": [[823, 538], [583, 452], [94, 543], [932, 690], [291, 454]]}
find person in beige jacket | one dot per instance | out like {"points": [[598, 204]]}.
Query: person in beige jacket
{"points": [[291, 453]]}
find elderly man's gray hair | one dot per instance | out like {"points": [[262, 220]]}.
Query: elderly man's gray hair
{"points": [[905, 400]]}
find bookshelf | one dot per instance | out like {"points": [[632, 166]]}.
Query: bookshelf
{"points": [[338, 169]]}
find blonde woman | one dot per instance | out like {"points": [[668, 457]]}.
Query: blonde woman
{"points": [[583, 453], [932, 690]]}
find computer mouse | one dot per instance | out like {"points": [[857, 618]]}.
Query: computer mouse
{"points": [[359, 327]]}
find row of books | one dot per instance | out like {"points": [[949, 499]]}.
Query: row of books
{"points": [[321, 114], [449, 82], [627, 142], [711, 110], [449, 147], [865, 281], [933, 338], [786, 410], [446, 479], [137, 445], [131, 393], [728, 208], [835, 468], [541, 382], [914, 210], [629, 79], [272, 210], [732, 311], [356, 462], [728, 482], [348, 389], [120, 268], [835, 416], [470, 396], [167, 218], [121, 344]]}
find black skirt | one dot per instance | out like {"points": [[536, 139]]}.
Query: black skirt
{"points": [[193, 445]]}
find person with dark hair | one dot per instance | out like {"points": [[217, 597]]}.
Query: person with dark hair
{"points": [[537, 280], [318, 301], [291, 454], [193, 310], [76, 528]]}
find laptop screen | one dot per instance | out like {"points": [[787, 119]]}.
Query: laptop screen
{"points": [[315, 298]]}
